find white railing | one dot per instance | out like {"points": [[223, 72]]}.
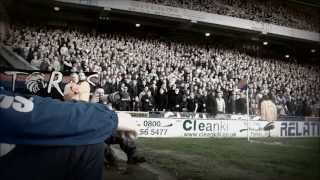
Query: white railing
{"points": [[175, 115]]}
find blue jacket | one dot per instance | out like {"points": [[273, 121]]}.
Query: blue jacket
{"points": [[46, 121]]}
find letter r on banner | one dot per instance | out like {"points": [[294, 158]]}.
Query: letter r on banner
{"points": [[54, 82]]}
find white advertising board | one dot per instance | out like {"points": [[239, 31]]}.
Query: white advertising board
{"points": [[198, 128]]}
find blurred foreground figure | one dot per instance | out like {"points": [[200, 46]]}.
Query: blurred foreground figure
{"points": [[54, 139], [126, 139]]}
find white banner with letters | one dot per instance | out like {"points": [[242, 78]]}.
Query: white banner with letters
{"points": [[199, 128]]}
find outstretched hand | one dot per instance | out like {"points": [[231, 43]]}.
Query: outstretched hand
{"points": [[126, 124]]}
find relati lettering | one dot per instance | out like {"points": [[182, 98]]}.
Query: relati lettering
{"points": [[300, 129]]}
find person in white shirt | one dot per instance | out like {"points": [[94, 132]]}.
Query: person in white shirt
{"points": [[64, 50], [221, 105], [268, 109], [56, 65]]}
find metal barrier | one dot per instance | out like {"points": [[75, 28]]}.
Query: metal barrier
{"points": [[175, 115]]}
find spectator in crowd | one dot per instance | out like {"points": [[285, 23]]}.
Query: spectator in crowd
{"points": [[55, 65], [147, 102], [71, 89], [254, 108], [290, 106], [299, 107], [108, 86], [99, 97], [134, 91], [231, 107], [201, 99], [268, 109], [192, 104], [161, 100], [184, 104], [154, 89], [221, 105], [125, 99], [315, 109], [44, 66], [143, 92], [136, 104], [67, 64], [306, 108], [115, 100], [36, 62], [212, 103], [175, 100], [241, 104], [64, 50]]}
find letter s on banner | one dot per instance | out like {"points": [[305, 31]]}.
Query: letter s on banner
{"points": [[22, 104], [18, 103]]}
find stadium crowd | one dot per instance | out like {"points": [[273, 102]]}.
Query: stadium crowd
{"points": [[269, 11], [161, 75]]}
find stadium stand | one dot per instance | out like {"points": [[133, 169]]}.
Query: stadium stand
{"points": [[135, 70], [180, 76], [281, 13]]}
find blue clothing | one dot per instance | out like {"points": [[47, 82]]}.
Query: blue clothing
{"points": [[50, 122], [27, 162]]}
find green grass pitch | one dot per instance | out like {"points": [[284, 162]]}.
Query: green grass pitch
{"points": [[213, 158]]}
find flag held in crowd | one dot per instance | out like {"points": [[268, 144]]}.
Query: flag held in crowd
{"points": [[243, 84]]}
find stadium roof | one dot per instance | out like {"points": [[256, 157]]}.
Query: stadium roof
{"points": [[315, 3]]}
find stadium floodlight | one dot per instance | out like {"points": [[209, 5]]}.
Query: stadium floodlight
{"points": [[138, 25], [207, 34], [56, 8], [313, 50], [105, 18], [287, 56], [265, 43], [255, 38]]}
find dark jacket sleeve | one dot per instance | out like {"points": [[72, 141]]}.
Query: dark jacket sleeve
{"points": [[46, 121]]}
